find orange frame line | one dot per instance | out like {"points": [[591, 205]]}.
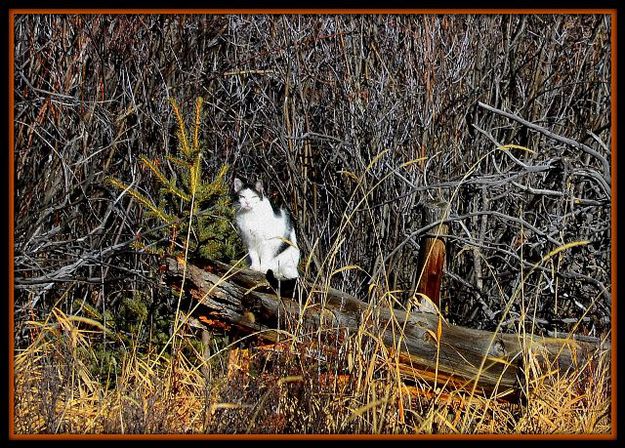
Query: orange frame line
{"points": [[349, 11]]}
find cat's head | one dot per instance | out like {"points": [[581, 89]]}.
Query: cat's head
{"points": [[248, 196]]}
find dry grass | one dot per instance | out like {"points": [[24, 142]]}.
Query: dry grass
{"points": [[282, 392], [146, 400], [351, 386]]}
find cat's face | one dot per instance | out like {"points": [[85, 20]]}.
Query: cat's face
{"points": [[248, 197]]}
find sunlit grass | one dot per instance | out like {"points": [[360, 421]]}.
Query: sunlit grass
{"points": [[56, 394], [318, 380]]}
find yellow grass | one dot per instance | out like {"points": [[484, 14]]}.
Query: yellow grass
{"points": [[55, 393], [358, 389]]}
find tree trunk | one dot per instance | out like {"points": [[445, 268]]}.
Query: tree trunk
{"points": [[428, 348]]}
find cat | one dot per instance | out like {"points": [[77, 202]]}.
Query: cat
{"points": [[267, 231]]}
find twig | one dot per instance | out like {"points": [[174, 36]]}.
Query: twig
{"points": [[587, 149]]}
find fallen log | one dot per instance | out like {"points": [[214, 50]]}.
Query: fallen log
{"points": [[426, 347]]}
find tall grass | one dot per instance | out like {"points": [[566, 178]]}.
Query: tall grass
{"points": [[285, 391], [315, 380]]}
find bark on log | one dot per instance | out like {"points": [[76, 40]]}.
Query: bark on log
{"points": [[428, 348]]}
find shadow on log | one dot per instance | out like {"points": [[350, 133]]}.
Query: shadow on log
{"points": [[427, 347]]}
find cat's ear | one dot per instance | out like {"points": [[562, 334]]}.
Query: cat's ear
{"points": [[237, 185], [259, 187]]}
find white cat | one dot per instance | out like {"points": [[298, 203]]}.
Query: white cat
{"points": [[267, 231]]}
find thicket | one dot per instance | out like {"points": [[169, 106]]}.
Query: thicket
{"points": [[325, 109]]}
